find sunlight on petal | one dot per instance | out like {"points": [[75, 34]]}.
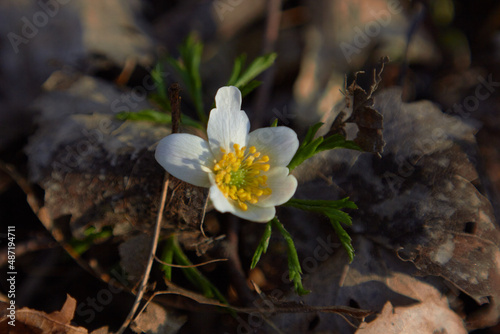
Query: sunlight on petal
{"points": [[186, 157]]}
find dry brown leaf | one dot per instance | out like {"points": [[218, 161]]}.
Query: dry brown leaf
{"points": [[374, 278], [32, 321], [157, 320], [357, 108], [100, 172], [368, 120], [422, 318]]}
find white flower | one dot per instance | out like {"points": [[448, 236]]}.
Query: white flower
{"points": [[246, 172]]}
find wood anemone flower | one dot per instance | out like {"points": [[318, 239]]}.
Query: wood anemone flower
{"points": [[246, 172]]}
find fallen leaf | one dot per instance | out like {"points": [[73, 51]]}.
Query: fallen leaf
{"points": [[32, 321], [157, 320], [424, 318], [99, 172], [374, 279]]}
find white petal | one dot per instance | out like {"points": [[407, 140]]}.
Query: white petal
{"points": [[279, 143], [228, 98], [227, 124], [254, 213], [220, 202], [282, 184], [186, 157]]}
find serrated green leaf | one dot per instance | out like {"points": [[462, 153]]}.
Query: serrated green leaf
{"points": [[331, 209], [344, 238], [262, 247], [305, 152], [294, 268], [337, 141], [311, 133], [311, 146], [340, 216]]}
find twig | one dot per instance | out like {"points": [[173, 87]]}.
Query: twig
{"points": [[175, 104], [176, 117], [189, 266], [285, 307], [147, 271]]}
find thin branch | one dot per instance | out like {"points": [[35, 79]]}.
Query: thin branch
{"points": [[189, 266], [154, 244], [174, 90], [175, 103], [284, 307]]}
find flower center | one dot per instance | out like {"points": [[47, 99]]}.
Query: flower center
{"points": [[238, 175]]}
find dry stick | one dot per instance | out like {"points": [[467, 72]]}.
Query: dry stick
{"points": [[176, 117], [188, 266], [154, 244], [175, 104]]}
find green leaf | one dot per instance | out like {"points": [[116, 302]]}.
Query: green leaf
{"points": [[91, 236], [157, 117], [188, 67], [244, 79], [295, 271], [168, 257], [305, 152], [310, 205], [337, 141], [249, 87], [311, 146], [331, 209], [308, 147], [238, 65], [262, 247], [344, 238], [311, 133], [145, 115], [274, 123], [161, 87], [259, 65]]}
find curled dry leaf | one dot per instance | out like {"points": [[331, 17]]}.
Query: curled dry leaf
{"points": [[360, 111], [32, 321]]}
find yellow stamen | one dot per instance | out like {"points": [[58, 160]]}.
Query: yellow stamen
{"points": [[238, 175]]}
